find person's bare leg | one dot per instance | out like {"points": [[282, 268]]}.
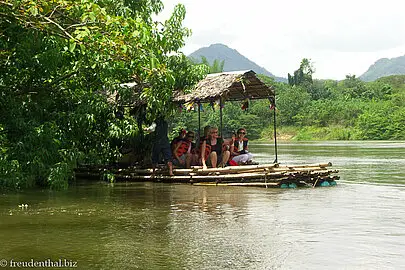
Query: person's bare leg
{"points": [[225, 157], [213, 158], [153, 171], [188, 161], [170, 166]]}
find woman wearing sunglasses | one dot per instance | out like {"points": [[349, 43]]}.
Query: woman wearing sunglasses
{"points": [[240, 152], [211, 150]]}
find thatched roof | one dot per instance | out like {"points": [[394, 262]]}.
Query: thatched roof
{"points": [[235, 85]]}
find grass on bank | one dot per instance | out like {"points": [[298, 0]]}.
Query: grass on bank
{"points": [[311, 133]]}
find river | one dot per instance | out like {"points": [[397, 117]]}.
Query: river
{"points": [[358, 224]]}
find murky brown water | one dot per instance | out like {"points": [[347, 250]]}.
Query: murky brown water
{"points": [[359, 224]]}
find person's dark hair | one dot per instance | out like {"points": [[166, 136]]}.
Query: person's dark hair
{"points": [[240, 130], [182, 131]]}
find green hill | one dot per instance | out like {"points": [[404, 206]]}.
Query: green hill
{"points": [[233, 60], [384, 67]]}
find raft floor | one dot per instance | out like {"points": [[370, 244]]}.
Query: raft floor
{"points": [[263, 175]]}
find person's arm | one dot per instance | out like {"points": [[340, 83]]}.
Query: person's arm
{"points": [[232, 150], [175, 152], [203, 146], [233, 153], [151, 128]]}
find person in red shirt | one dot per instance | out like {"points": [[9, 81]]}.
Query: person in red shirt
{"points": [[183, 155]]}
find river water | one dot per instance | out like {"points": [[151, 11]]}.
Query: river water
{"points": [[358, 224]]}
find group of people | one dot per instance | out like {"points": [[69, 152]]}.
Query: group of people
{"points": [[210, 149]]}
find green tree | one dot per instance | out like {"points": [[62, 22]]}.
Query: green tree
{"points": [[61, 61], [303, 75], [216, 67]]}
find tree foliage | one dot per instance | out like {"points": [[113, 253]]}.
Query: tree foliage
{"points": [[303, 75], [216, 67], [322, 109], [60, 61]]}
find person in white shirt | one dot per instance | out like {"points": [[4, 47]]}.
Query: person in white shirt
{"points": [[240, 150]]}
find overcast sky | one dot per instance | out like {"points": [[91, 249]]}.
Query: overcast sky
{"points": [[340, 37]]}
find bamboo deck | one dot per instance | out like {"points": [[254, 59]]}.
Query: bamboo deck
{"points": [[264, 175]]}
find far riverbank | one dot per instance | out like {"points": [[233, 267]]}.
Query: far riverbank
{"points": [[311, 133]]}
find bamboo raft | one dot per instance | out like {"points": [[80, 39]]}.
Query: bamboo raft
{"points": [[264, 175]]}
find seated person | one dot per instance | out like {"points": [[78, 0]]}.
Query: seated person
{"points": [[182, 154], [211, 150], [229, 143], [182, 134], [240, 152], [199, 141], [202, 138]]}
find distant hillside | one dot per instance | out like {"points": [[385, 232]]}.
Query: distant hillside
{"points": [[233, 59], [384, 67]]}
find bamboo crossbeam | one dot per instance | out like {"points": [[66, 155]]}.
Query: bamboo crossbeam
{"points": [[226, 170], [322, 165], [270, 175], [252, 184], [231, 169], [193, 168], [254, 168]]}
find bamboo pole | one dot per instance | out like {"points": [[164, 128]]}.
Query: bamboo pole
{"points": [[317, 179], [200, 169], [232, 169], [235, 168], [310, 174], [322, 165], [252, 184], [275, 130], [199, 120], [228, 170], [270, 176]]}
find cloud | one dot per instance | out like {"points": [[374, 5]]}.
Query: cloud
{"points": [[341, 37]]}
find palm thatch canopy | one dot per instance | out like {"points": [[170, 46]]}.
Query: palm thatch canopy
{"points": [[235, 85]]}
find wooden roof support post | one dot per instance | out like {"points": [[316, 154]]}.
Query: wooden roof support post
{"points": [[220, 117], [199, 119], [275, 131]]}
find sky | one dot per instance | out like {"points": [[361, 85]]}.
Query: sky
{"points": [[340, 37]]}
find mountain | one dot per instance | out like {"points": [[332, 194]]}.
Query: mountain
{"points": [[384, 67], [233, 60]]}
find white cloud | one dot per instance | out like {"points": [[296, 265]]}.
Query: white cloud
{"points": [[341, 37]]}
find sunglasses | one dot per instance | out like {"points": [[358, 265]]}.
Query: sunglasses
{"points": [[242, 133]]}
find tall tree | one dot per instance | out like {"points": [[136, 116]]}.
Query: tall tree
{"points": [[303, 75], [60, 61], [216, 67]]}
